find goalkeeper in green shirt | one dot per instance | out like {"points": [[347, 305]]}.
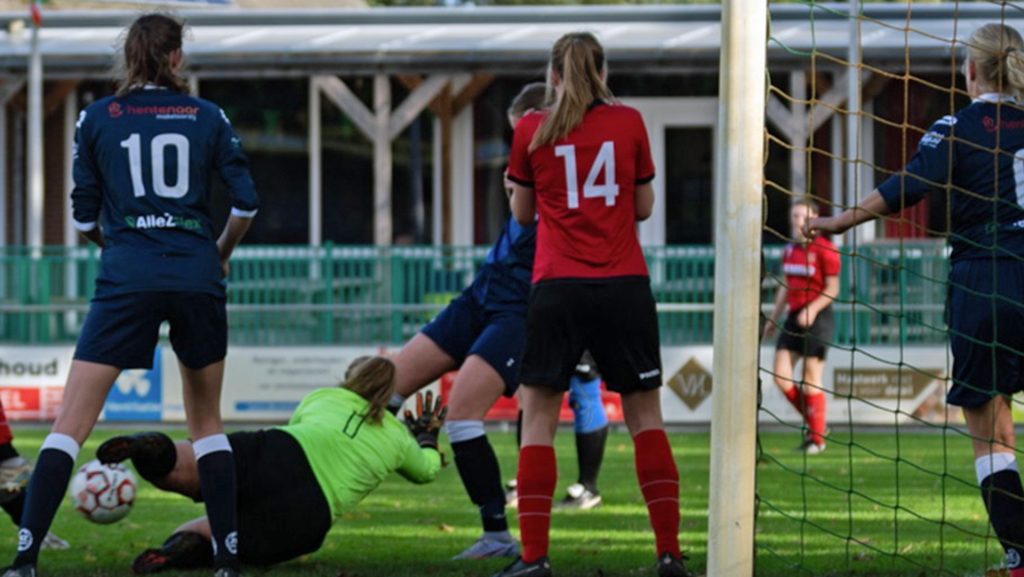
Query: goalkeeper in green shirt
{"points": [[293, 481]]}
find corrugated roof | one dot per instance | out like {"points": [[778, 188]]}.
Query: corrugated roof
{"points": [[651, 38]]}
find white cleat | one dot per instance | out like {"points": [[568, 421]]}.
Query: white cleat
{"points": [[488, 548], [55, 543], [579, 497]]}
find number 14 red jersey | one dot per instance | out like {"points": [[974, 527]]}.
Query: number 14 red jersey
{"points": [[585, 187]]}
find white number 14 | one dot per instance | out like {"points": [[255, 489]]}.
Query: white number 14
{"points": [[604, 162]]}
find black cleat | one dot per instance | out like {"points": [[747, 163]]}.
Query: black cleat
{"points": [[23, 571], [539, 568], [182, 550], [227, 572], [124, 447], [671, 566]]}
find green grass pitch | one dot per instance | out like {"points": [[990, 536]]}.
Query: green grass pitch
{"points": [[806, 513]]}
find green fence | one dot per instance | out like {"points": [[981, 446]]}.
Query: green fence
{"points": [[297, 295]]}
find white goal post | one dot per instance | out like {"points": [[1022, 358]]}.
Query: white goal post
{"points": [[738, 223]]}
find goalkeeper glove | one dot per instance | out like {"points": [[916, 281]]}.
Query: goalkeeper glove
{"points": [[426, 424]]}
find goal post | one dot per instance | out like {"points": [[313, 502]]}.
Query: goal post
{"points": [[739, 164]]}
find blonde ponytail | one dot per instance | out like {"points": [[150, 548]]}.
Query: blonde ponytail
{"points": [[1015, 72], [997, 51], [578, 59]]}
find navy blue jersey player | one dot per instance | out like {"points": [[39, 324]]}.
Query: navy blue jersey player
{"points": [[144, 163], [480, 333], [976, 157]]}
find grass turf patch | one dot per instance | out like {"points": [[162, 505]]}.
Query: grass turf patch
{"points": [[874, 504]]}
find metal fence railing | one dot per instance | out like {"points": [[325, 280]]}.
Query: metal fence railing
{"points": [[297, 295]]}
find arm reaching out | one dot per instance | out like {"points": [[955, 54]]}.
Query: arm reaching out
{"points": [[873, 206]]}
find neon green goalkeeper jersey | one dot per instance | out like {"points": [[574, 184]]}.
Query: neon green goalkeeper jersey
{"points": [[350, 456]]}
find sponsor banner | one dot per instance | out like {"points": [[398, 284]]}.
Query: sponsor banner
{"points": [[137, 395], [32, 381], [265, 383], [873, 385], [866, 386]]}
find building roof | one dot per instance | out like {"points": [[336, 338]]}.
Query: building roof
{"points": [[507, 39]]}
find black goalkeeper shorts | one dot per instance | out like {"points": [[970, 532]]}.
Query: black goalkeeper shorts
{"points": [[282, 511]]}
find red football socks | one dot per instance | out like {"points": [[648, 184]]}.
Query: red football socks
{"points": [[659, 482], [795, 398], [535, 487], [816, 417]]}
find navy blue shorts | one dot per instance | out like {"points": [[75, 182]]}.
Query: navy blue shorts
{"points": [[465, 328], [985, 314], [122, 330]]}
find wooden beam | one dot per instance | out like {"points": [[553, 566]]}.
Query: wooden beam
{"points": [[382, 161], [9, 87], [468, 95], [414, 104], [826, 105], [342, 97], [779, 115], [55, 96], [445, 118], [822, 110], [409, 81]]}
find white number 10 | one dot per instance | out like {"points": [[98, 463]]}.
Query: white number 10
{"points": [[605, 160], [157, 146]]}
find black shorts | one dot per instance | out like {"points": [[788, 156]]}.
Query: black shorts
{"points": [[812, 341], [122, 330], [282, 511], [984, 312], [614, 318]]}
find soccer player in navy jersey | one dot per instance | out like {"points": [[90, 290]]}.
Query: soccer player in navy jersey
{"points": [[480, 333], [583, 169], [976, 158], [143, 163]]}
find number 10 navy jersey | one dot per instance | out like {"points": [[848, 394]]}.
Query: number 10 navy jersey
{"points": [[978, 156], [143, 169]]}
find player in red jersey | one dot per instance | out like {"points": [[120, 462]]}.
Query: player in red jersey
{"points": [[584, 168], [14, 474], [811, 268]]}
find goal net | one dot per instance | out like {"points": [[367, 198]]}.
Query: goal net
{"points": [[855, 90]]}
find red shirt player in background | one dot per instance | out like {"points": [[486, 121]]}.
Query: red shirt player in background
{"points": [[584, 168], [811, 268]]}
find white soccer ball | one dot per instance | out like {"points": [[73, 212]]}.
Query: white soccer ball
{"points": [[103, 493]]}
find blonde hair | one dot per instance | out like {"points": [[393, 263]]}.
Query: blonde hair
{"points": [[372, 378], [997, 52], [578, 58]]}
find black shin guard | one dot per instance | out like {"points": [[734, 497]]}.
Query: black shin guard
{"points": [[219, 487], [45, 492], [157, 462], [1004, 500], [589, 455], [481, 475]]}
